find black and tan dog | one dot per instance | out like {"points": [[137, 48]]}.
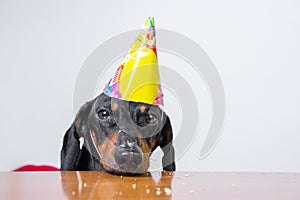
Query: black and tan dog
{"points": [[118, 137]]}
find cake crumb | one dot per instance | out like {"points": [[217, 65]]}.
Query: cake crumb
{"points": [[168, 191], [158, 192]]}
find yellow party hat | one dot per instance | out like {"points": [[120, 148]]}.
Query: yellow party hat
{"points": [[137, 77]]}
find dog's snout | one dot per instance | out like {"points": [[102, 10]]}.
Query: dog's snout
{"points": [[128, 155], [128, 160]]}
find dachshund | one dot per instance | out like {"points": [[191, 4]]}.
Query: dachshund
{"points": [[117, 136]]}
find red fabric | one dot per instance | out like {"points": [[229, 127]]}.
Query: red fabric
{"points": [[36, 168]]}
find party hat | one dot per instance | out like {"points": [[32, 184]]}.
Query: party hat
{"points": [[137, 77]]}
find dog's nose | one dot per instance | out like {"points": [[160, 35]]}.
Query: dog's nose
{"points": [[126, 141], [128, 160], [128, 155]]}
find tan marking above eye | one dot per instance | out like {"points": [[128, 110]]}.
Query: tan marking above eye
{"points": [[143, 108], [114, 106]]}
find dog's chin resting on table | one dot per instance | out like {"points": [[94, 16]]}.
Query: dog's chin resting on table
{"points": [[117, 136]]}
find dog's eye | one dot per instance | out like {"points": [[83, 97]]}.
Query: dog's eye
{"points": [[150, 119], [103, 114]]}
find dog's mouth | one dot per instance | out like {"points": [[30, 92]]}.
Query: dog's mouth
{"points": [[126, 162], [120, 172]]}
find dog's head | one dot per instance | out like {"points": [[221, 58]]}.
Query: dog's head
{"points": [[124, 134]]}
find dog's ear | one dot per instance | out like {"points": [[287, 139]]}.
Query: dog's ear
{"points": [[73, 153], [70, 152], [78, 151], [166, 144]]}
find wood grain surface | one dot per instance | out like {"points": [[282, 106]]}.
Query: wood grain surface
{"points": [[159, 185]]}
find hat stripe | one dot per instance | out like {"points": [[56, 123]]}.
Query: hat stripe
{"points": [[151, 22]]}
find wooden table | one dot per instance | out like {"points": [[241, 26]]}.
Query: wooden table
{"points": [[178, 185]]}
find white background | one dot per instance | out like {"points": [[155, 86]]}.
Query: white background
{"points": [[254, 45]]}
